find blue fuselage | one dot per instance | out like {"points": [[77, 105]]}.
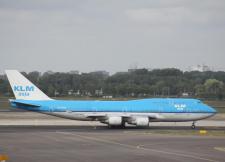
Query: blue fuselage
{"points": [[134, 111], [140, 106]]}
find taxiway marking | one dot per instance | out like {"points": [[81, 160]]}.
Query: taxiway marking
{"points": [[136, 147]]}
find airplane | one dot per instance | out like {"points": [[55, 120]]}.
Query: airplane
{"points": [[138, 112]]}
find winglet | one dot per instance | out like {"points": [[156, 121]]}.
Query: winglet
{"points": [[23, 88]]}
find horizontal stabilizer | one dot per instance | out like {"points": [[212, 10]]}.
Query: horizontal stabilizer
{"points": [[20, 103]]}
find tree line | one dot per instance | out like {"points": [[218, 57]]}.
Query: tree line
{"points": [[169, 82]]}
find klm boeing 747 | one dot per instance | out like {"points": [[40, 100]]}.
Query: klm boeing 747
{"points": [[114, 113]]}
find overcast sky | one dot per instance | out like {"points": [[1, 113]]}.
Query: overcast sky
{"points": [[89, 35]]}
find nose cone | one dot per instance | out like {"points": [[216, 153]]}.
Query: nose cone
{"points": [[210, 109]]}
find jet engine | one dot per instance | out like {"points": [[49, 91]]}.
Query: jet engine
{"points": [[113, 120], [139, 121]]}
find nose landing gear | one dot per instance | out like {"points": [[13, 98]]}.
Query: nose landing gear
{"points": [[193, 125]]}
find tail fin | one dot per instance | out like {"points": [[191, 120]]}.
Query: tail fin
{"points": [[23, 88]]}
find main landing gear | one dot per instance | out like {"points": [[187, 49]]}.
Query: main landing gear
{"points": [[122, 126], [193, 125]]}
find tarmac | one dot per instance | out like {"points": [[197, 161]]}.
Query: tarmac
{"points": [[86, 144], [26, 137]]}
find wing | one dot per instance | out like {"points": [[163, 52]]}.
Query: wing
{"points": [[125, 116]]}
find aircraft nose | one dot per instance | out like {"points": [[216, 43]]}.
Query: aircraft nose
{"points": [[211, 110]]}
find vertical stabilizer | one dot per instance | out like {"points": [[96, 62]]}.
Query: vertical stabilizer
{"points": [[23, 88]]}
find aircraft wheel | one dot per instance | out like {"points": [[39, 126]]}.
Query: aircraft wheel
{"points": [[123, 125], [193, 125]]}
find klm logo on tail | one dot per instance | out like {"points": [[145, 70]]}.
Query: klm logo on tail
{"points": [[23, 90]]}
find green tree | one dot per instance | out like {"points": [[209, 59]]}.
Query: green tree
{"points": [[199, 90], [214, 88]]}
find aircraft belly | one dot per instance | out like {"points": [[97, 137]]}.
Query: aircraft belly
{"points": [[179, 117], [70, 115], [154, 117]]}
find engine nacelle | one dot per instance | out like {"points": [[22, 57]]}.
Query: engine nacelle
{"points": [[139, 121], [114, 120]]}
